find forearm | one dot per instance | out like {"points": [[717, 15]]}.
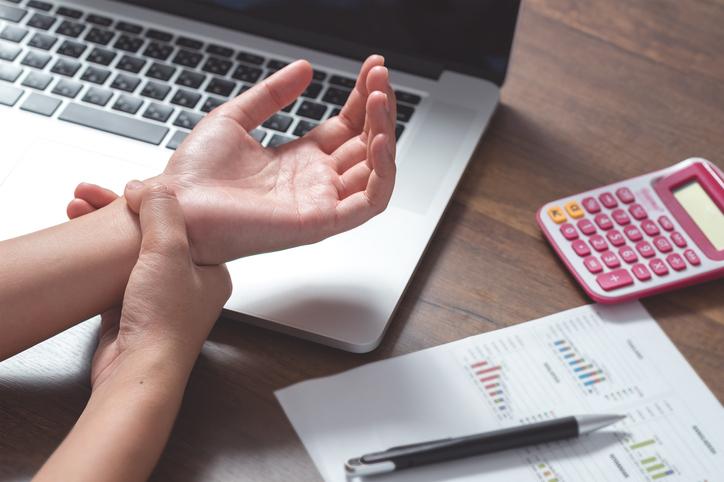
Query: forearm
{"points": [[52, 279]]}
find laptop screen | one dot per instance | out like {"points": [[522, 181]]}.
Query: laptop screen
{"points": [[420, 36]]}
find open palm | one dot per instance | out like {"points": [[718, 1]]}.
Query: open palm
{"points": [[240, 198]]}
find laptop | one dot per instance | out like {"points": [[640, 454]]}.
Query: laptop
{"points": [[103, 91]]}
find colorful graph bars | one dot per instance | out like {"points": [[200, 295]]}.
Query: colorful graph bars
{"points": [[488, 375], [546, 472], [653, 466], [586, 372]]}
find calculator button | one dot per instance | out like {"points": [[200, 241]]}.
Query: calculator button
{"points": [[569, 231], [641, 272], [598, 243], [603, 221], [678, 239], [676, 261], [574, 209], [628, 254], [666, 223], [658, 267], [692, 257], [614, 279], [650, 227], [638, 211], [662, 244], [620, 216], [615, 237], [625, 195], [610, 259], [645, 249], [591, 205], [593, 265], [580, 247], [633, 233], [556, 214], [586, 227], [608, 200]]}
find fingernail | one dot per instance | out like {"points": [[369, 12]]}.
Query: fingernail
{"points": [[133, 185], [387, 103]]}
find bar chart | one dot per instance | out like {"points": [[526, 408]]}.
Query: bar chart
{"points": [[585, 371]]}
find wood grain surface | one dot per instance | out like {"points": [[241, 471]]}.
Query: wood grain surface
{"points": [[597, 92]]}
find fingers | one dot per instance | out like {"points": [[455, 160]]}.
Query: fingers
{"points": [[78, 207], [133, 193], [270, 96], [163, 228], [88, 198]]}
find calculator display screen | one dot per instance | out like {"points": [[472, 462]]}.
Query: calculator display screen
{"points": [[703, 211]]}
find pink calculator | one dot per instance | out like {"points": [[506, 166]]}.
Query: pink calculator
{"points": [[642, 236]]}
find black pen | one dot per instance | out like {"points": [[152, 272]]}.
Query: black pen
{"points": [[424, 453]]}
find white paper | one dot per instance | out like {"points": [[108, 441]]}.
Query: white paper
{"points": [[522, 374]]}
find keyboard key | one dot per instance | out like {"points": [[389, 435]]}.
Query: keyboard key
{"points": [[615, 237], [35, 59], [101, 56], [67, 88], [40, 104], [11, 14], [71, 49], [633, 233], [279, 140], [650, 227], [130, 64], [115, 124], [598, 243], [289, 107], [658, 267], [614, 279], [221, 87], [155, 90], [608, 200], [9, 72], [276, 64], [620, 216], [69, 12], [641, 272], [580, 248], [610, 259], [41, 21], [190, 79], [591, 205], [13, 33], [128, 104], [398, 131], [211, 103], [319, 75], [586, 227], [311, 110], [187, 58], [345, 82], [9, 51], [129, 27], [125, 82], [404, 112], [258, 134], [154, 34], [335, 111], [187, 120], [95, 75], [556, 214], [678, 239], [592, 264], [189, 43], [250, 58], [628, 254], [66, 67], [217, 66], [574, 209], [407, 97], [176, 140], [569, 231], [9, 95], [625, 195], [70, 29], [97, 96], [42, 41], [158, 112], [603, 221], [312, 91], [303, 127], [37, 80], [219, 50], [645, 249], [676, 262], [335, 96], [246, 73], [186, 98], [158, 50], [99, 20], [666, 223], [662, 244], [278, 122], [638, 212], [45, 6], [99, 36], [128, 43], [692, 257], [160, 71]]}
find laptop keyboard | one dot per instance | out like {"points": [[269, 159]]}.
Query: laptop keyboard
{"points": [[144, 83]]}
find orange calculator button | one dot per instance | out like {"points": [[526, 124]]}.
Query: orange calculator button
{"points": [[556, 214], [574, 209]]}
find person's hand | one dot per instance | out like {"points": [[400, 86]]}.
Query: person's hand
{"points": [[89, 198], [239, 198]]}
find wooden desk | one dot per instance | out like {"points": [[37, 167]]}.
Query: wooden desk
{"points": [[596, 92]]}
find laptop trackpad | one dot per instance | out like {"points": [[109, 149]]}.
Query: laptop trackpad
{"points": [[432, 147]]}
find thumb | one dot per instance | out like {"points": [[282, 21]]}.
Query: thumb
{"points": [[133, 194], [163, 228]]}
